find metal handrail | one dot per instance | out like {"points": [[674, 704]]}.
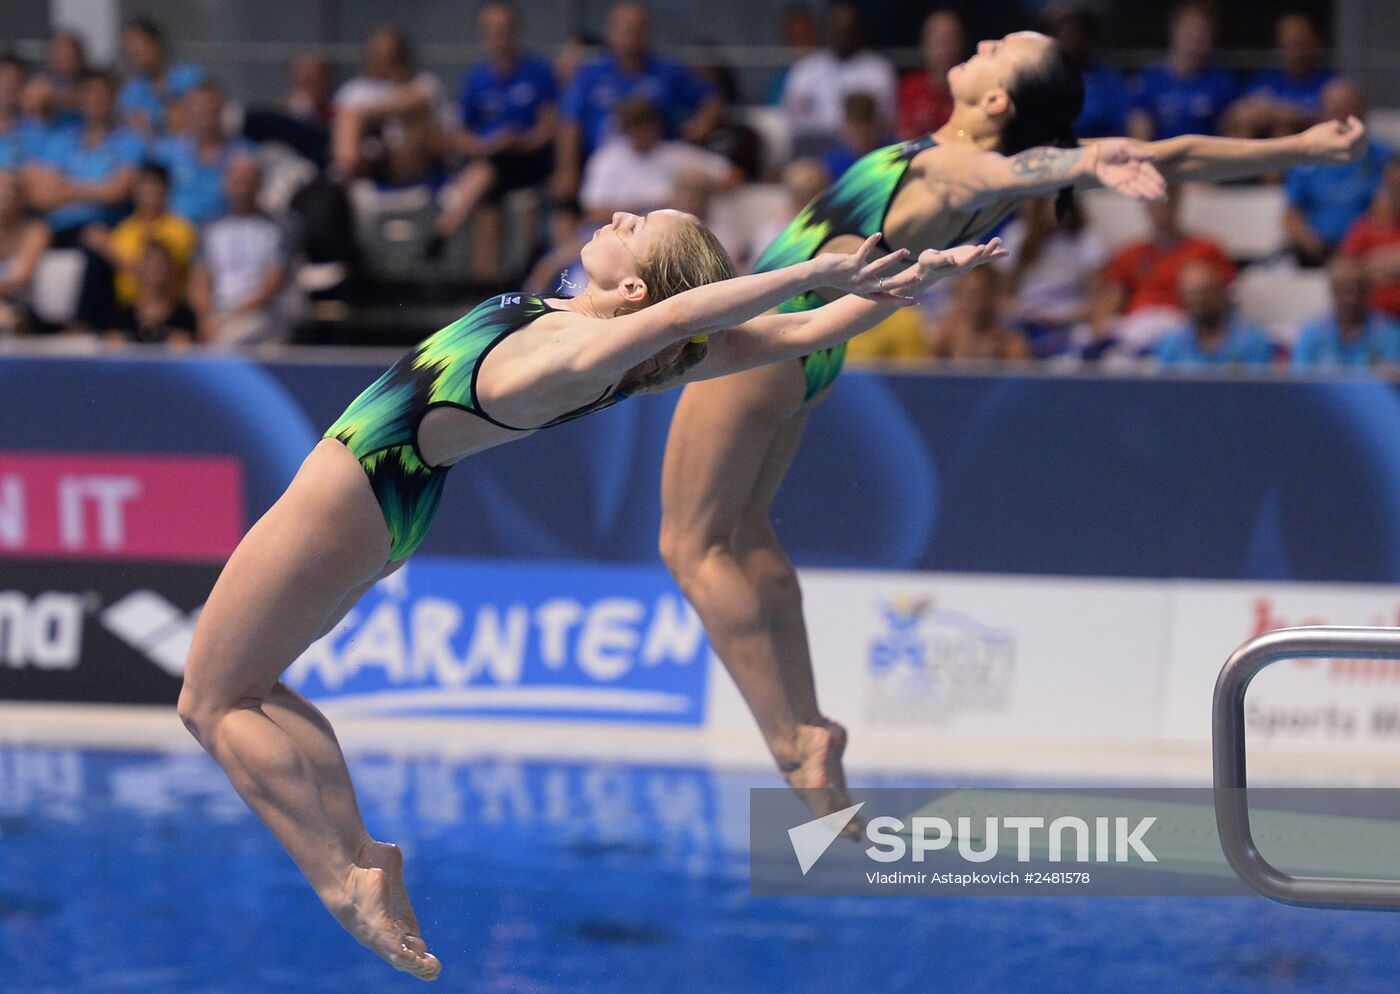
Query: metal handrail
{"points": [[1231, 795]]}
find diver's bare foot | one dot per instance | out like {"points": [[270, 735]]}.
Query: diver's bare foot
{"points": [[815, 770], [364, 912], [388, 857]]}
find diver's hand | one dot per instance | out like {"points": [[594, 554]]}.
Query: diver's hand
{"points": [[933, 266], [854, 272], [1125, 166], [1335, 141]]}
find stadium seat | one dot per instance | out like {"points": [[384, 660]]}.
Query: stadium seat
{"points": [[57, 281], [1113, 218], [1279, 296], [772, 126], [1246, 220], [741, 216], [1385, 126]]}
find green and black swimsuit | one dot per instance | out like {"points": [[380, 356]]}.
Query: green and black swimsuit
{"points": [[856, 204], [381, 425]]}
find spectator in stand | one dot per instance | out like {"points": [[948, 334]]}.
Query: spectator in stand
{"points": [[1056, 275], [925, 102], [1354, 334], [1211, 336], [388, 120], [509, 107], [1325, 200], [1105, 111], [974, 326], [1287, 98], [802, 180], [12, 73], [1148, 273], [157, 312], [238, 283], [301, 119], [22, 241], [798, 31], [153, 86], [150, 221], [819, 83], [309, 98], [639, 170], [1375, 240], [65, 69], [731, 137], [690, 107], [85, 175], [38, 121], [198, 159], [862, 131], [1185, 94]]}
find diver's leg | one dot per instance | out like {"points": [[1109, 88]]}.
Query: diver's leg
{"points": [[294, 568]]}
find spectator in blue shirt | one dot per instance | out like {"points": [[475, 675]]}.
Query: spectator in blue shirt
{"points": [[1324, 200], [1211, 336], [863, 130], [629, 69], [1354, 334], [510, 114], [24, 139], [12, 72], [1105, 112], [1286, 98], [65, 67], [154, 84], [198, 159], [85, 175], [1185, 94]]}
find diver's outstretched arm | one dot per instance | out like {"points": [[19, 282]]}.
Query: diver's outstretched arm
{"points": [[1201, 157], [619, 343], [776, 337]]}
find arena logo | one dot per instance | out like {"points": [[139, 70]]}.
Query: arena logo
{"points": [[930, 664], [1067, 838], [454, 636], [45, 631]]}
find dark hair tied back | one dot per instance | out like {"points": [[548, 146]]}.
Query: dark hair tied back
{"points": [[1046, 99]]}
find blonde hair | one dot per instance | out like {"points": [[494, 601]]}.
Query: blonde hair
{"points": [[692, 256]]}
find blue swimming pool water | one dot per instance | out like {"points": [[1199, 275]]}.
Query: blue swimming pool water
{"points": [[142, 871]]}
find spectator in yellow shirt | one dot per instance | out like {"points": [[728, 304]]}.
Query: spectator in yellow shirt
{"points": [[150, 221]]}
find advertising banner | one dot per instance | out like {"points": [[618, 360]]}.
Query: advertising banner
{"points": [[448, 636], [106, 632], [93, 506]]}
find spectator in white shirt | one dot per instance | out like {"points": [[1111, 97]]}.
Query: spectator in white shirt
{"points": [[818, 84], [638, 171], [238, 288], [388, 122], [1056, 271]]}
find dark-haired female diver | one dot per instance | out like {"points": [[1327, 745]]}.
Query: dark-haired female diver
{"points": [[733, 439], [361, 502]]}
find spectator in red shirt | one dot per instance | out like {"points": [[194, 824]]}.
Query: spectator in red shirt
{"points": [[1147, 273], [1375, 239], [924, 102]]}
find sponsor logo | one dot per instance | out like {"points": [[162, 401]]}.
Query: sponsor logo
{"points": [[45, 631], [508, 300], [151, 508], [153, 626], [932, 664], [456, 636]]}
